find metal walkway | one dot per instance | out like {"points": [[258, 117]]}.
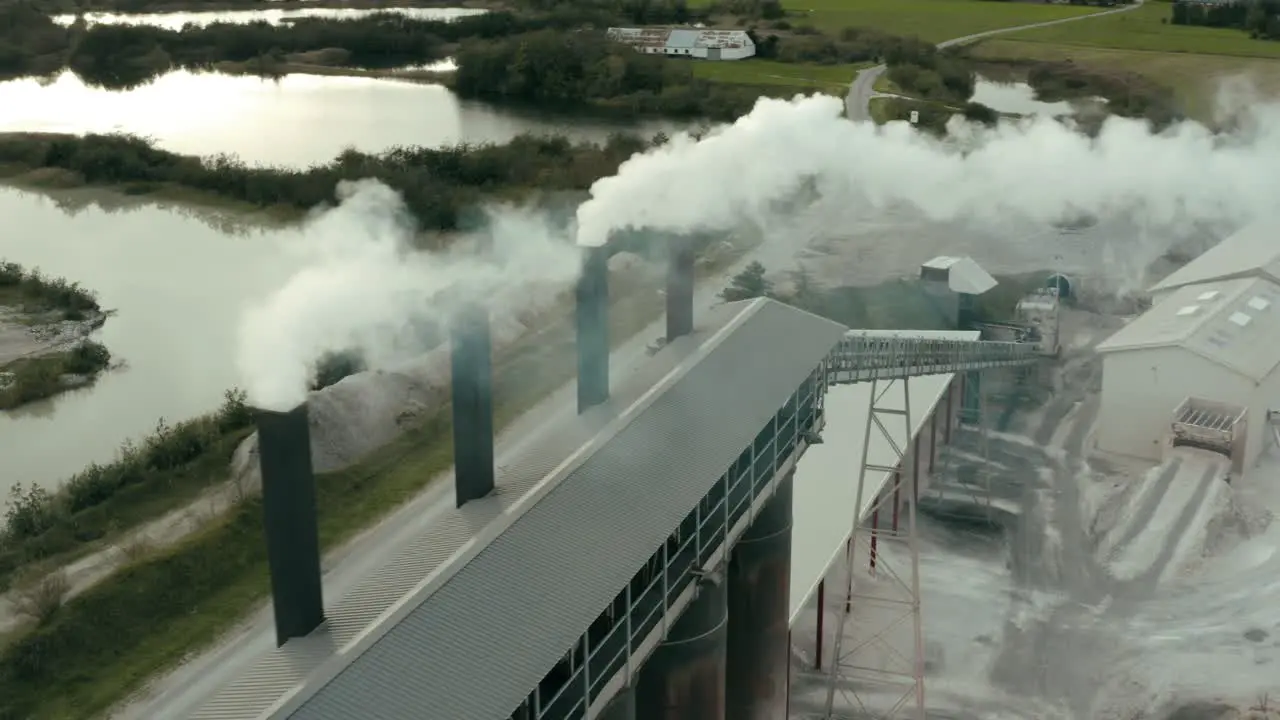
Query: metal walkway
{"points": [[864, 356]]}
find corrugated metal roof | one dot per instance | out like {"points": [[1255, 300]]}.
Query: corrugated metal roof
{"points": [[474, 647], [683, 39], [567, 528], [1233, 323], [1251, 252], [964, 275], [680, 38]]}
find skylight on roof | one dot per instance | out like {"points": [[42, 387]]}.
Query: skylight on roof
{"points": [[1241, 319], [1259, 303], [1208, 295], [1188, 310]]}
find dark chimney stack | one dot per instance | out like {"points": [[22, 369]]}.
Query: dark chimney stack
{"points": [[472, 404], [592, 314], [680, 290], [289, 512]]}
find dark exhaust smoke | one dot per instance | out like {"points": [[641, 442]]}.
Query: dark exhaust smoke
{"points": [[472, 360], [592, 315], [289, 514], [680, 291]]}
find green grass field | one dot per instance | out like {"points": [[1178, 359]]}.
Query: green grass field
{"points": [[932, 20], [768, 72], [1195, 79], [1193, 61], [1145, 29]]}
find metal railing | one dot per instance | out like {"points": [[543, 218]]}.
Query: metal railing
{"points": [[610, 653], [860, 358]]}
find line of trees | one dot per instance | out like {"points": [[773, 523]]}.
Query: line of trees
{"points": [[124, 55], [1259, 18], [440, 185], [922, 71], [552, 69]]}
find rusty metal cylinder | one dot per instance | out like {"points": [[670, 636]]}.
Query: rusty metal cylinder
{"points": [[621, 707], [684, 677], [759, 585]]}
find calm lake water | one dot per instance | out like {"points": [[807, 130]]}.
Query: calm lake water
{"points": [[175, 328], [1018, 98], [176, 20], [274, 122]]}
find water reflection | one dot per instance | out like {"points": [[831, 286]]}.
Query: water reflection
{"points": [[445, 65], [1017, 98], [175, 20], [276, 121], [179, 286]]}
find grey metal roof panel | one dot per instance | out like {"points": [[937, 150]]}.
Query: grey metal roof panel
{"points": [[472, 645], [281, 672]]}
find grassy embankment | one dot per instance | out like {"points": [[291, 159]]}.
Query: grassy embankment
{"points": [[1192, 61], [28, 298]]}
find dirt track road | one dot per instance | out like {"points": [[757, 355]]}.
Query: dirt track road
{"points": [[862, 90]]}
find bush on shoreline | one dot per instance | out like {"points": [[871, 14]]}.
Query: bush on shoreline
{"points": [[37, 378], [32, 292], [922, 71], [176, 461], [438, 185]]}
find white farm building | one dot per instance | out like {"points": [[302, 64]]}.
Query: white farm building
{"points": [[1200, 368], [1251, 252], [687, 42]]}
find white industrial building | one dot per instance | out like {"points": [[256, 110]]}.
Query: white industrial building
{"points": [[1251, 252], [1203, 359], [700, 43]]}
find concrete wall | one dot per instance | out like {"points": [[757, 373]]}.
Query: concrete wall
{"points": [[826, 477], [1265, 397], [1141, 389]]}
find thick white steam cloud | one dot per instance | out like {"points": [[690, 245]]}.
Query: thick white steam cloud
{"points": [[365, 288], [1036, 169]]}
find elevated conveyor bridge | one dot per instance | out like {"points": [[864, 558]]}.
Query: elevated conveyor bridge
{"points": [[543, 601]]}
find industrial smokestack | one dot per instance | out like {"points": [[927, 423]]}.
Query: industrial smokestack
{"points": [[289, 514], [592, 314], [680, 290], [472, 404]]}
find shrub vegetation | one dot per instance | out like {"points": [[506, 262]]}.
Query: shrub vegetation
{"points": [[438, 185], [43, 376], [33, 293], [550, 69], [148, 478]]}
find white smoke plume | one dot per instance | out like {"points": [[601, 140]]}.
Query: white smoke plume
{"points": [[364, 287], [1036, 169]]}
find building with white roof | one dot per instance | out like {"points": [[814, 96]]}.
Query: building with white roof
{"points": [[1251, 252], [955, 284], [701, 43], [1211, 344]]}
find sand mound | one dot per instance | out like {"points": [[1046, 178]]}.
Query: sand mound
{"points": [[361, 413]]}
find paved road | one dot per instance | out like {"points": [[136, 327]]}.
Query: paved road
{"points": [[858, 102]]}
